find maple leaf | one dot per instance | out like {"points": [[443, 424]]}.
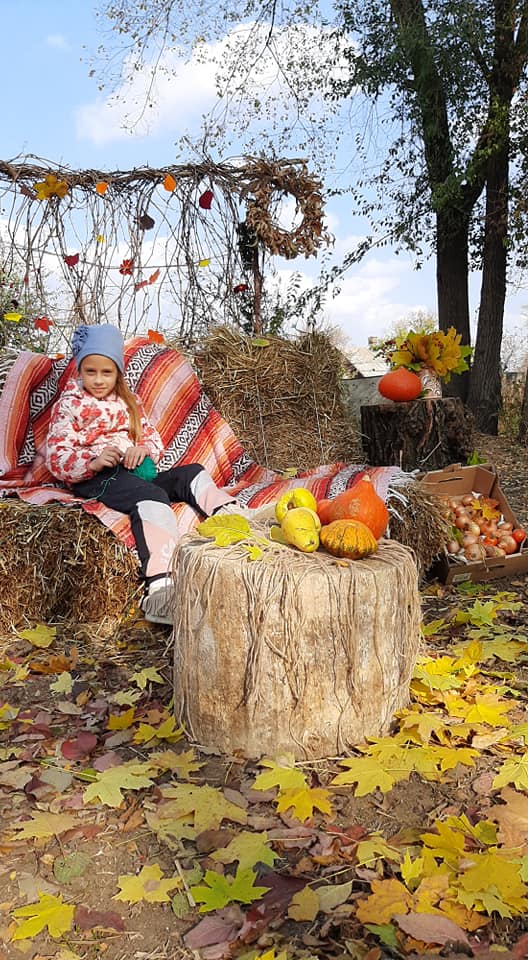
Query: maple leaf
{"points": [[479, 615], [304, 905], [303, 800], [40, 636], [513, 771], [248, 848], [110, 783], [49, 912], [42, 323], [209, 805], [63, 683], [147, 885], [512, 817], [225, 529], [370, 775], [282, 774], [166, 731], [374, 848], [448, 757], [126, 698], [493, 883], [121, 721], [167, 823], [423, 723], [44, 825], [489, 709], [447, 843], [437, 674], [182, 764], [218, 890], [388, 898], [147, 675]]}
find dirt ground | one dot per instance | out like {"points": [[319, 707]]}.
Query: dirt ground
{"points": [[72, 710]]}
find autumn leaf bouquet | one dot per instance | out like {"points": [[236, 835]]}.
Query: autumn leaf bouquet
{"points": [[441, 352]]}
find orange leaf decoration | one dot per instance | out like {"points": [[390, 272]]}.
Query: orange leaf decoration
{"points": [[156, 337], [141, 284], [154, 276], [101, 187], [169, 183], [42, 323]]}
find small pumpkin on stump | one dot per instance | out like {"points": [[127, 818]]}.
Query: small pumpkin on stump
{"points": [[348, 538], [400, 385], [360, 503]]}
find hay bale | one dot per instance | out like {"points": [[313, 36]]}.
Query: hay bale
{"points": [[58, 563], [284, 401], [295, 652]]}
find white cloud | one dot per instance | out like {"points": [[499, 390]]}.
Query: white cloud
{"points": [[58, 41]]}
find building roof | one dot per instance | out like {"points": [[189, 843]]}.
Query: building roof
{"points": [[364, 361]]}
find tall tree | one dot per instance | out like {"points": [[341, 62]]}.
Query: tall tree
{"points": [[451, 75]]}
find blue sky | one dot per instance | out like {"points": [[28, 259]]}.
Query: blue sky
{"points": [[52, 108]]}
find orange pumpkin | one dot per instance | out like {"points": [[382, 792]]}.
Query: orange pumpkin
{"points": [[401, 385], [323, 508], [360, 503], [348, 538]]}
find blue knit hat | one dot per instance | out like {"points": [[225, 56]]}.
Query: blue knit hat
{"points": [[103, 339]]}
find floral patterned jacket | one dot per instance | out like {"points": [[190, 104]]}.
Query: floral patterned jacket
{"points": [[81, 426]]}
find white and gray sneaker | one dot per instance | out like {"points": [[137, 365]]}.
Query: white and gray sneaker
{"points": [[156, 604]]}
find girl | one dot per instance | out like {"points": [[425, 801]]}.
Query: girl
{"points": [[101, 444]]}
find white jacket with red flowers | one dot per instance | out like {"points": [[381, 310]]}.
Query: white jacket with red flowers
{"points": [[82, 426]]}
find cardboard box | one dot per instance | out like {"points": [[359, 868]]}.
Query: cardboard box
{"points": [[455, 481]]}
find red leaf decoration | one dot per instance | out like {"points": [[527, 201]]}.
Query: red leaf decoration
{"points": [[206, 200], [126, 268], [71, 259], [154, 276], [42, 323], [141, 284], [156, 337], [240, 288]]}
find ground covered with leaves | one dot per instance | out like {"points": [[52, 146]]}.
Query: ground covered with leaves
{"points": [[120, 838]]}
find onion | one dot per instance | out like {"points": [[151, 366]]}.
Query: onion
{"points": [[504, 527], [473, 528], [493, 551], [508, 544], [468, 539], [453, 546], [475, 551], [462, 522], [467, 499], [488, 528]]}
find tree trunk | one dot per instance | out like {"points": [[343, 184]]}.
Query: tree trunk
{"points": [[484, 397], [452, 285], [523, 423], [423, 434]]}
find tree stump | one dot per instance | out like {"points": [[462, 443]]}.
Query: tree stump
{"points": [[424, 434], [295, 652]]}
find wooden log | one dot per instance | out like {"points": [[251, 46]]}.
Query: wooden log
{"points": [[294, 652], [425, 434]]}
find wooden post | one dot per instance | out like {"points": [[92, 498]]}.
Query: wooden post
{"points": [[424, 434]]}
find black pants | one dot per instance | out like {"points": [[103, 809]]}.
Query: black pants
{"points": [[147, 503]]}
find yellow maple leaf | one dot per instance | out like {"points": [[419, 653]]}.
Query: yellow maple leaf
{"points": [[281, 773], [147, 675], [303, 800], [388, 897], [489, 709], [147, 885], [208, 804], [368, 774], [448, 844], [48, 912], [40, 636], [421, 725], [493, 883], [513, 771], [110, 783], [121, 721], [183, 764], [304, 905], [44, 825], [375, 848], [166, 731]]}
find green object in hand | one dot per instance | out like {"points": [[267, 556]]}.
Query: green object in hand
{"points": [[146, 470]]}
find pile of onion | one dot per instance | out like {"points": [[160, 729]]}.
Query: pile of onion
{"points": [[479, 530]]}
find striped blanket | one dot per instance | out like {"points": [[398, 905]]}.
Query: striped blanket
{"points": [[190, 427]]}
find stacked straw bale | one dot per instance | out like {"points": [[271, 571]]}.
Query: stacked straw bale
{"points": [[58, 563], [283, 398]]}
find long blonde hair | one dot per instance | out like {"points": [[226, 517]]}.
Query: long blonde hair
{"points": [[123, 390]]}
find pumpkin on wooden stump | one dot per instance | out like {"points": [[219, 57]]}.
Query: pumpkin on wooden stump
{"points": [[348, 538], [360, 503], [400, 385], [295, 652]]}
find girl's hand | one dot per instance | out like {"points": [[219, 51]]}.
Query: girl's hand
{"points": [[109, 457], [134, 456]]}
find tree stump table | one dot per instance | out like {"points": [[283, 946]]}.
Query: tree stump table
{"points": [[426, 434], [298, 653]]}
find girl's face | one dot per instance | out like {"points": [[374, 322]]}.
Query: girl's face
{"points": [[98, 375]]}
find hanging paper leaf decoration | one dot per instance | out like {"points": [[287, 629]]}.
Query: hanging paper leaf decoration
{"points": [[141, 284], [43, 323], [156, 337], [101, 187], [126, 268], [27, 192], [154, 276], [240, 288], [99, 238], [204, 263], [13, 317], [50, 187], [206, 200], [71, 259], [169, 183], [145, 222]]}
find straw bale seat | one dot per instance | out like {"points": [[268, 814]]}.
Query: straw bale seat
{"points": [[295, 652], [60, 556]]}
